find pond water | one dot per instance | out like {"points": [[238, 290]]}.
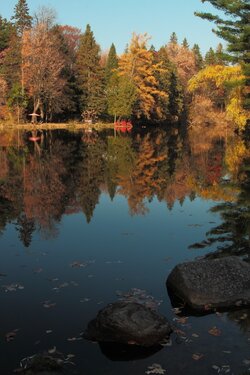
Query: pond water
{"points": [[87, 217]]}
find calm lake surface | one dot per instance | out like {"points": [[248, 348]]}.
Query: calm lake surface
{"points": [[87, 218]]}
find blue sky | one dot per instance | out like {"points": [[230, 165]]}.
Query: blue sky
{"points": [[114, 21]]}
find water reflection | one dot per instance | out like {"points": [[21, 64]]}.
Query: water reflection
{"points": [[121, 352], [46, 186], [59, 173]]}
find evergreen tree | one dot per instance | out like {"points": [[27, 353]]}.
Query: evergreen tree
{"points": [[185, 43], [6, 30], [111, 64], [210, 57], [11, 62], [121, 96], [175, 106], [220, 56], [198, 57], [90, 74], [22, 19], [173, 38], [234, 28]]}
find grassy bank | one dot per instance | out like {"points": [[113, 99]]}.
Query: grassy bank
{"points": [[50, 126]]}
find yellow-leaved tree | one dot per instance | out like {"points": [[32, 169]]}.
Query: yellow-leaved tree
{"points": [[138, 64], [228, 80]]}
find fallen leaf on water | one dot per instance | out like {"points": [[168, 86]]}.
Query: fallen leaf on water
{"points": [[177, 310], [182, 320], [74, 338], [48, 304], [215, 367], [84, 300], [179, 332], [70, 356], [214, 331], [197, 356], [155, 368], [11, 335], [39, 270], [52, 350], [195, 335], [132, 342]]}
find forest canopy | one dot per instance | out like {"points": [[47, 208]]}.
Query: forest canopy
{"points": [[57, 73]]}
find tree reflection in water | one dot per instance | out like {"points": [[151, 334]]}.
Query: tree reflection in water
{"points": [[63, 173]]}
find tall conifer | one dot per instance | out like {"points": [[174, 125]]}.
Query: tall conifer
{"points": [[90, 74], [198, 56], [112, 63], [21, 18]]}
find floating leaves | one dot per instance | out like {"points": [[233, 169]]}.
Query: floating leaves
{"points": [[181, 320], [78, 264], [224, 369], [12, 287], [155, 368], [214, 331]]}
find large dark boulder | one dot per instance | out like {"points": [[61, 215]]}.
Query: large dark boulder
{"points": [[212, 283], [128, 323]]}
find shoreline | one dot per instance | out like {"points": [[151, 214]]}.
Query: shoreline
{"points": [[50, 126]]}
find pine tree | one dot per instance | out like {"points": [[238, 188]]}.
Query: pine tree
{"points": [[22, 19], [185, 43], [12, 61], [6, 30], [121, 96], [198, 57], [220, 56], [90, 74], [111, 64], [210, 57], [175, 105], [173, 38]]}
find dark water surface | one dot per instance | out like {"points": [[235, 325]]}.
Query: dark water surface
{"points": [[88, 217]]}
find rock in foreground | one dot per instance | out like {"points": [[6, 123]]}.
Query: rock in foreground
{"points": [[128, 323], [208, 284]]}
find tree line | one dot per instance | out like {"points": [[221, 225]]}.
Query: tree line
{"points": [[57, 73]]}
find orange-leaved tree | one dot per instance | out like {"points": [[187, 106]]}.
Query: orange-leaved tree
{"points": [[42, 70], [138, 64]]}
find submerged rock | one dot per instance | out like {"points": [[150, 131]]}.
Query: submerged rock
{"points": [[128, 323], [212, 283], [42, 364]]}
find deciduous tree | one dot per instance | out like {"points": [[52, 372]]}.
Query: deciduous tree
{"points": [[138, 64], [42, 67]]}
